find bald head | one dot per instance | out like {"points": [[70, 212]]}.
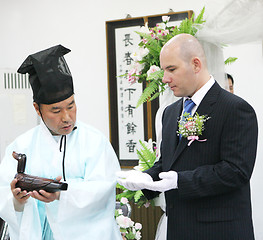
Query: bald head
{"points": [[183, 61], [188, 47]]}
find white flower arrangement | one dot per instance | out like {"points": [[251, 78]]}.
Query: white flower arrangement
{"points": [[129, 230], [148, 53]]}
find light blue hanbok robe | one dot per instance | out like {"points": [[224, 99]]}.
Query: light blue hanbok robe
{"points": [[86, 210]]}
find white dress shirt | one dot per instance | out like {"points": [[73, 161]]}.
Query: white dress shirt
{"points": [[199, 95]]}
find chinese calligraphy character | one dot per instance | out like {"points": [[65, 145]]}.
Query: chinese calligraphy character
{"points": [[131, 128], [130, 110], [128, 58], [130, 91], [131, 145], [127, 40]]}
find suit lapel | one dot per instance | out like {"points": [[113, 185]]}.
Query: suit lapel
{"points": [[207, 104], [177, 112], [205, 108]]}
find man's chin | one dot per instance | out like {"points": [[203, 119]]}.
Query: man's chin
{"points": [[62, 132], [66, 131]]}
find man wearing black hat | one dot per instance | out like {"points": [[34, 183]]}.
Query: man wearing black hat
{"points": [[59, 146]]}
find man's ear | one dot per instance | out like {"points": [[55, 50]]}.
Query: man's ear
{"points": [[197, 64], [37, 108]]}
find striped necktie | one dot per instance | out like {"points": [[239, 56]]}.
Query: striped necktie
{"points": [[188, 106]]}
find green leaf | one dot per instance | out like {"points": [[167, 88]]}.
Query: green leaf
{"points": [[155, 79], [146, 156], [162, 89], [143, 160], [156, 95], [152, 44], [138, 195], [151, 89], [155, 76], [130, 235], [230, 60], [128, 194], [120, 186], [199, 19]]}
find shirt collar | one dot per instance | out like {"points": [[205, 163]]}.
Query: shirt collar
{"points": [[199, 95]]}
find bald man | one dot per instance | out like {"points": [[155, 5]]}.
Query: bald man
{"points": [[207, 182]]}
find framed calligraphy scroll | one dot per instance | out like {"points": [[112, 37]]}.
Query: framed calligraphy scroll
{"points": [[129, 124]]}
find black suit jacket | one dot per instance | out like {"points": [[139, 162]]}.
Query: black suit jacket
{"points": [[212, 201]]}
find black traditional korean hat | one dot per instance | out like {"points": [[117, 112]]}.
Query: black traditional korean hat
{"points": [[49, 75]]}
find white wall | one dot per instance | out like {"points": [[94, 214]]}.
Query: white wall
{"points": [[247, 72], [31, 25]]}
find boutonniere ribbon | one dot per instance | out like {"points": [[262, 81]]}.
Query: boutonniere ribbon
{"points": [[193, 138]]}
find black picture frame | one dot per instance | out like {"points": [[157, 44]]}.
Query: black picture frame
{"points": [[150, 108]]}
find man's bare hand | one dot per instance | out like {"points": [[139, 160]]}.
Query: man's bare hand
{"points": [[44, 196], [20, 196]]}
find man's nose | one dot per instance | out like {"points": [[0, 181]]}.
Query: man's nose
{"points": [[165, 78], [65, 117]]}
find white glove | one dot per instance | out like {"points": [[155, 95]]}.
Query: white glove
{"points": [[133, 180], [168, 182]]}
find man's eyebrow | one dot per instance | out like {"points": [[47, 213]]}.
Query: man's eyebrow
{"points": [[72, 102], [55, 108], [170, 66]]}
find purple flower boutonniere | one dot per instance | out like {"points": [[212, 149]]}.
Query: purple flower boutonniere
{"points": [[191, 127]]}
